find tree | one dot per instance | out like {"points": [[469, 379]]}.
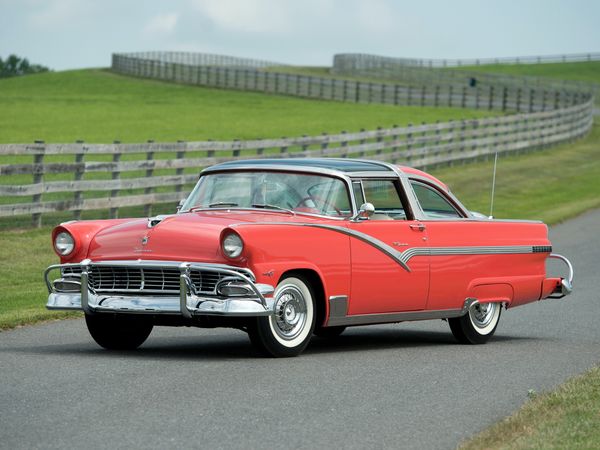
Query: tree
{"points": [[14, 66]]}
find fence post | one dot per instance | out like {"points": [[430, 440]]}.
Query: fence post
{"points": [[304, 146], [116, 174], [409, 96], [179, 171], [463, 99], [423, 95], [395, 144], [362, 142], [504, 97], [531, 97], [324, 145], [396, 89], [491, 99], [77, 176], [519, 93], [409, 142], [436, 98], [38, 177], [149, 173], [379, 140], [344, 147], [450, 93], [283, 149]]}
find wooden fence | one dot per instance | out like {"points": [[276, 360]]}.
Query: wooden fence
{"points": [[505, 98], [151, 173], [514, 60], [407, 71]]}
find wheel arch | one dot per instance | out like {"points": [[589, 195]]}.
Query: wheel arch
{"points": [[316, 283]]}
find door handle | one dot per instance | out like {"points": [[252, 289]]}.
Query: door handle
{"points": [[417, 226]]}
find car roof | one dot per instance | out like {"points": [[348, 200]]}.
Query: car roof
{"points": [[342, 165]]}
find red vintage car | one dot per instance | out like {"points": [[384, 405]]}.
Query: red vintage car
{"points": [[287, 248]]}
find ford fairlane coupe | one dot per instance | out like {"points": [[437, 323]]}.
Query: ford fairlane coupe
{"points": [[287, 248]]}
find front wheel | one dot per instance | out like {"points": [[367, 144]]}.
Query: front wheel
{"points": [[118, 332], [288, 331], [478, 325]]}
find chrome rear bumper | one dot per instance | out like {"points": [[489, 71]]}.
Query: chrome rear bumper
{"points": [[566, 284], [74, 292]]}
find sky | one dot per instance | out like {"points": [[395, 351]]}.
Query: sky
{"points": [[68, 34]]}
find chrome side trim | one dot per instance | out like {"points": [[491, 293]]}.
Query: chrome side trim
{"points": [[338, 308], [448, 251], [403, 257], [372, 319]]}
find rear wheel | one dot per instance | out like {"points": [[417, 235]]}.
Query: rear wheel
{"points": [[118, 332], [478, 325], [288, 331]]}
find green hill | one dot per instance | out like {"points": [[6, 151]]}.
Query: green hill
{"points": [[99, 106]]}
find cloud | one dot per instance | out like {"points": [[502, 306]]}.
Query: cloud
{"points": [[57, 13], [161, 24], [251, 16]]}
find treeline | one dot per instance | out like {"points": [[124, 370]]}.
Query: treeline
{"points": [[14, 66]]}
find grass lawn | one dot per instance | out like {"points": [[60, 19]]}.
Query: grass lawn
{"points": [[99, 106], [566, 418], [576, 71]]}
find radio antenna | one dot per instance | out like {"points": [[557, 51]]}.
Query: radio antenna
{"points": [[493, 186]]}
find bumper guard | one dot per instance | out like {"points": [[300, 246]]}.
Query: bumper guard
{"points": [[250, 299]]}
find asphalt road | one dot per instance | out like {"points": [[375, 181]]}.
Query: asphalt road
{"points": [[393, 386]]}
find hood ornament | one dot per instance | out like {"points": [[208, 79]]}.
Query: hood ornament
{"points": [[145, 240]]}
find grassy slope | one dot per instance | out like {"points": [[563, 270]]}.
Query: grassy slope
{"points": [[578, 71], [564, 419], [550, 185], [99, 106]]}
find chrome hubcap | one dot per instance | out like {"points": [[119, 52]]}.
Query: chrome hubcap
{"points": [[290, 312], [482, 314]]}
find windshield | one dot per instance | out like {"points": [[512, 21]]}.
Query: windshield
{"points": [[315, 194]]}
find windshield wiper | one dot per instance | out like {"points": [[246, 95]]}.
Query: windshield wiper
{"points": [[267, 206], [214, 205]]}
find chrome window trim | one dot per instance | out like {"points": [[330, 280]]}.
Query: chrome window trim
{"points": [[282, 168], [450, 199]]}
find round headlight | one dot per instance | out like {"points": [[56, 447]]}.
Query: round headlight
{"points": [[64, 243], [232, 245]]}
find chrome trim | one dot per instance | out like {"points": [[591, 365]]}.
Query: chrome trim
{"points": [[338, 308], [566, 285], [188, 303], [344, 176], [372, 319], [402, 257]]}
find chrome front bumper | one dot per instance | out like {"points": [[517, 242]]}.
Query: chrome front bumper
{"points": [[253, 299]]}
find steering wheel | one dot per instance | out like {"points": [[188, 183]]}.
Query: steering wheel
{"points": [[325, 203]]}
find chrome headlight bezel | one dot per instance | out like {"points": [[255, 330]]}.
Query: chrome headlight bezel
{"points": [[64, 243], [232, 245]]}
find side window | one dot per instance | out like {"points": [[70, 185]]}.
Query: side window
{"points": [[434, 205], [384, 195], [358, 193]]}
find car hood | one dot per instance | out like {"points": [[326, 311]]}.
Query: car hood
{"points": [[191, 236]]}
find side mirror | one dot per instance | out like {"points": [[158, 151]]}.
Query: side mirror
{"points": [[365, 211], [180, 204]]}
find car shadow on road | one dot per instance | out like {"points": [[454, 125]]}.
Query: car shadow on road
{"points": [[237, 346]]}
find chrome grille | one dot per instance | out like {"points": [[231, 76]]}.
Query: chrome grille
{"points": [[149, 280]]}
